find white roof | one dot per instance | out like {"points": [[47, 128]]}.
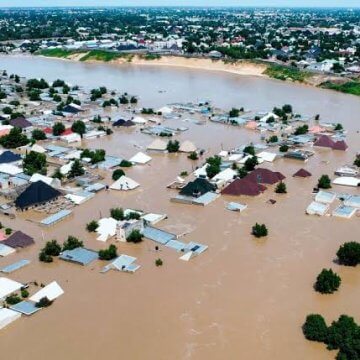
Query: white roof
{"points": [[223, 153], [347, 181], [225, 175], [187, 146], [124, 183], [267, 156], [235, 157], [65, 169], [201, 171], [157, 144], [187, 256], [7, 316], [37, 148], [140, 158], [6, 250], [268, 116], [46, 179], [139, 120], [51, 291], [76, 154], [165, 110], [70, 138], [10, 169], [106, 228], [8, 286], [153, 218], [77, 198]]}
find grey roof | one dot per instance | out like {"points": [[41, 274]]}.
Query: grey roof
{"points": [[79, 255], [25, 307]]}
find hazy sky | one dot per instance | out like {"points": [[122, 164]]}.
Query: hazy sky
{"points": [[303, 3]]}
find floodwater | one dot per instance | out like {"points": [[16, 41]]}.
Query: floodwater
{"points": [[243, 298]]}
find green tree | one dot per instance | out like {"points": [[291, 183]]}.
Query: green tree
{"points": [[259, 230], [117, 214], [301, 130], [14, 139], [92, 226], [34, 162], [125, 163], [193, 156], [281, 188], [173, 146], [52, 248], [76, 169], [324, 182], [158, 262], [357, 161], [38, 134], [135, 236], [284, 148], [72, 243], [349, 253], [109, 253], [315, 328], [58, 128], [117, 174], [327, 282], [250, 163], [249, 150], [233, 113], [43, 302], [79, 127]]}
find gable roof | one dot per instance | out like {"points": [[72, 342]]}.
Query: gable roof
{"points": [[324, 141], [265, 176], [37, 193], [9, 157], [122, 122], [243, 187], [19, 240], [340, 145], [20, 122], [197, 187], [302, 173]]}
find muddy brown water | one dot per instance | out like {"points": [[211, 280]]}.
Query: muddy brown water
{"points": [[241, 299]]}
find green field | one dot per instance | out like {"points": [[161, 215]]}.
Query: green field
{"points": [[59, 53], [285, 73], [350, 87], [106, 56]]}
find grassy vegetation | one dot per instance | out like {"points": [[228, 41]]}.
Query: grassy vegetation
{"points": [[149, 56], [349, 87], [101, 55], [286, 73], [58, 53]]}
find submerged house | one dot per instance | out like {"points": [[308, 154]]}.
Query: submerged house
{"points": [[265, 176], [197, 188], [302, 173], [36, 194], [18, 240], [243, 187], [324, 141]]}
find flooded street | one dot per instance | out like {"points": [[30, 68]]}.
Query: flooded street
{"points": [[241, 299]]}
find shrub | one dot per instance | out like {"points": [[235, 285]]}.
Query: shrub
{"points": [[327, 282], [281, 188], [58, 129], [158, 262], [301, 130], [92, 226], [249, 150], [173, 146], [259, 230], [43, 302], [349, 254], [251, 163], [242, 172], [8, 231], [52, 248], [135, 236], [117, 214], [125, 163], [357, 161], [324, 182], [76, 169], [72, 243], [24, 293], [273, 139], [109, 253], [284, 148], [193, 156], [38, 134], [315, 328], [13, 299], [43, 257], [117, 174]]}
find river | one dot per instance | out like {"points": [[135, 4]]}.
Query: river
{"points": [[243, 298]]}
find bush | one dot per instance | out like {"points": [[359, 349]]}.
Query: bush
{"points": [[79, 127], [58, 128], [14, 139], [34, 162], [8, 231], [92, 226], [13, 299], [38, 134], [193, 156], [315, 328], [242, 172], [327, 282], [125, 163], [43, 302], [284, 148], [259, 230], [173, 146], [249, 150], [76, 169], [52, 248], [251, 163], [24, 293], [43, 257], [117, 214], [72, 243], [273, 139], [135, 236], [109, 253], [158, 262], [301, 130], [324, 182], [349, 254], [357, 161], [281, 188], [117, 174]]}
